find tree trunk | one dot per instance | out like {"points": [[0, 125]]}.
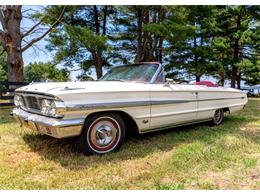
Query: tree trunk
{"points": [[160, 19], [97, 55], [15, 66], [196, 62], [234, 68], [238, 80], [96, 18], [104, 20], [13, 39], [197, 78], [159, 51], [222, 77], [236, 53], [139, 34], [221, 72], [99, 71], [147, 46], [233, 76], [98, 63]]}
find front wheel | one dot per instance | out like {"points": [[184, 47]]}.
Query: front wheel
{"points": [[102, 133], [218, 117]]}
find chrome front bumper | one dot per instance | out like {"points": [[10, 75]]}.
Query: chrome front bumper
{"points": [[58, 128]]}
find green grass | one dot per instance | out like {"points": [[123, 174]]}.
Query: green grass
{"points": [[191, 157]]}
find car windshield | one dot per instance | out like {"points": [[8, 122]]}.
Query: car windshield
{"points": [[137, 73]]}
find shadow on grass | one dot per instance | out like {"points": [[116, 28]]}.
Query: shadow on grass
{"points": [[5, 116], [66, 153]]}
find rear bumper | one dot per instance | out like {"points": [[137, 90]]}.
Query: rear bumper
{"points": [[58, 128]]}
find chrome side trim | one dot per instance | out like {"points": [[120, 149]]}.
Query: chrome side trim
{"points": [[159, 102], [200, 100], [186, 112], [198, 90], [173, 113], [121, 104], [214, 108], [136, 104], [172, 126]]}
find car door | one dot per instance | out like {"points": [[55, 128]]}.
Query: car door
{"points": [[172, 105]]}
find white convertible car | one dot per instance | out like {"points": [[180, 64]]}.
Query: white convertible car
{"points": [[128, 98]]}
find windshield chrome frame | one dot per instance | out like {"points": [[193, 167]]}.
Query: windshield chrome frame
{"points": [[156, 74]]}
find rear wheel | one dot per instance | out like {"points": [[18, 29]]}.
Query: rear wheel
{"points": [[218, 117], [102, 133]]}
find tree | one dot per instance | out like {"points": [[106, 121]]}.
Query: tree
{"points": [[40, 72], [140, 33], [190, 44], [237, 37], [82, 39], [11, 38], [191, 41], [250, 71]]}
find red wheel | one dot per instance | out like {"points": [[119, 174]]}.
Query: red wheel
{"points": [[103, 133]]}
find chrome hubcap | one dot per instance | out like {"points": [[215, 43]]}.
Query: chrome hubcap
{"points": [[218, 116], [104, 133]]}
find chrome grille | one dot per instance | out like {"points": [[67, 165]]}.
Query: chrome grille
{"points": [[31, 102]]}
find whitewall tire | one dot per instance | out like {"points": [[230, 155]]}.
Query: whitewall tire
{"points": [[102, 133]]}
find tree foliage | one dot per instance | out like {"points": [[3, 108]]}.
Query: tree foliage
{"points": [[236, 38], [250, 71], [190, 46], [140, 33], [190, 41], [40, 72], [3, 65], [81, 40]]}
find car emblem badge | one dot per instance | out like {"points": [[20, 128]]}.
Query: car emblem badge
{"points": [[145, 121]]}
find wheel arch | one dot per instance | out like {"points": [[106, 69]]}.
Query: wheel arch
{"points": [[226, 110], [129, 122]]}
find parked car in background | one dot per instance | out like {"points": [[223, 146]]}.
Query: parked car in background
{"points": [[128, 98]]}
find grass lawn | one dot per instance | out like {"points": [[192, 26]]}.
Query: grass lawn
{"points": [[191, 157]]}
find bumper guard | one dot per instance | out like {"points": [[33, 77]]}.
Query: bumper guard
{"points": [[58, 128]]}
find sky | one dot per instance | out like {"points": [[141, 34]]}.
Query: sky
{"points": [[39, 53], [32, 54]]}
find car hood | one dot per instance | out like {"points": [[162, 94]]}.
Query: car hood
{"points": [[57, 88]]}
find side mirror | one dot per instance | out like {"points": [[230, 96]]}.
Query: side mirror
{"points": [[168, 82]]}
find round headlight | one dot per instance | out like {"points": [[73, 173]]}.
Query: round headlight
{"points": [[45, 106], [52, 107], [18, 101], [52, 110], [49, 108]]}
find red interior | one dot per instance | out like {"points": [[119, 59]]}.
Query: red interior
{"points": [[207, 83]]}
